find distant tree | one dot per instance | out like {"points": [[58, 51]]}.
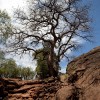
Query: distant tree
{"points": [[27, 73], [9, 69], [55, 23]]}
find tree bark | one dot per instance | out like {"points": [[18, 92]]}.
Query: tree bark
{"points": [[51, 61]]}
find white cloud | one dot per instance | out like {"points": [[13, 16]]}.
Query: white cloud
{"points": [[26, 60], [79, 40], [9, 5], [63, 70]]}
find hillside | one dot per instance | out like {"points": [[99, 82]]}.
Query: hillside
{"points": [[83, 78]]}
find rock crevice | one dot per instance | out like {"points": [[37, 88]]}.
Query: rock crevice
{"points": [[83, 78]]}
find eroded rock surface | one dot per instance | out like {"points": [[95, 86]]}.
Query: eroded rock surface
{"points": [[83, 78], [15, 89]]}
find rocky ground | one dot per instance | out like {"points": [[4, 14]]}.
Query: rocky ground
{"points": [[16, 89], [82, 82], [83, 78]]}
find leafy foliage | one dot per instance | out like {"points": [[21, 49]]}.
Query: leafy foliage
{"points": [[42, 68], [27, 73], [9, 69], [5, 26]]}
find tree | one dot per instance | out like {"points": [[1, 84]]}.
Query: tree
{"points": [[54, 23], [2, 58], [42, 68], [9, 69], [5, 26], [27, 73]]}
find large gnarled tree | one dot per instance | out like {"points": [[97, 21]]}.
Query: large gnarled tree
{"points": [[52, 23]]}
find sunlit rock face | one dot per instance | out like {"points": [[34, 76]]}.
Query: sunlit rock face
{"points": [[83, 78], [85, 61]]}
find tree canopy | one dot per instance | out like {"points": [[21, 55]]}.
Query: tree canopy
{"points": [[5, 26], [9, 69], [42, 69], [51, 23]]}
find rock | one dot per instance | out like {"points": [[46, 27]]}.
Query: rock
{"points": [[83, 78], [85, 61], [65, 93], [15, 89], [3, 93]]}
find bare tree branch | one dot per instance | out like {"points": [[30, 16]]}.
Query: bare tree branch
{"points": [[52, 22]]}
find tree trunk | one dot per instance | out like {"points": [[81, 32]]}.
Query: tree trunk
{"points": [[51, 61]]}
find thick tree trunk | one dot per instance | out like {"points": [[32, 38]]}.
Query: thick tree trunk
{"points": [[51, 61], [52, 71]]}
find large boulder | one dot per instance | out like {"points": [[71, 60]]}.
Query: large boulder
{"points": [[85, 69], [67, 93], [83, 78]]}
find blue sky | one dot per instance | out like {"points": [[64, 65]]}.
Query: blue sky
{"points": [[94, 14]]}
